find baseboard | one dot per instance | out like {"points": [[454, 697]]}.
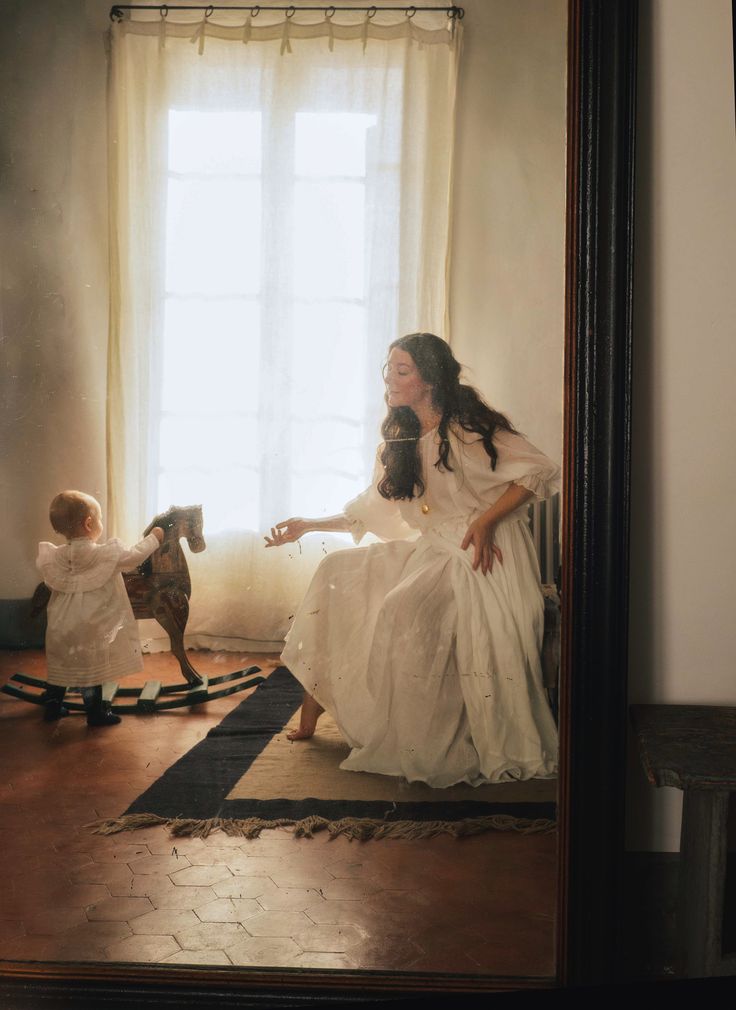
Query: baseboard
{"points": [[18, 630]]}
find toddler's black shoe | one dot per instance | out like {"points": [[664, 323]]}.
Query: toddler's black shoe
{"points": [[54, 710], [102, 716]]}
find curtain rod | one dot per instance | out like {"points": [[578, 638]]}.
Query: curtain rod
{"points": [[116, 11]]}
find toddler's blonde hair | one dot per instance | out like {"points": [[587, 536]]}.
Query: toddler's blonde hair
{"points": [[68, 511]]}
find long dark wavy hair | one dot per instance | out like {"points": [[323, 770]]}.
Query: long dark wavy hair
{"points": [[458, 404]]}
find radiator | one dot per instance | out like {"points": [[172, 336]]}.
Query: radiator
{"points": [[544, 524]]}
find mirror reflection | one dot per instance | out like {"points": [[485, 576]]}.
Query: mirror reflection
{"points": [[313, 282]]}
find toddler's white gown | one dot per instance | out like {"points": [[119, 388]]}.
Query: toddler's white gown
{"points": [[432, 670], [91, 635]]}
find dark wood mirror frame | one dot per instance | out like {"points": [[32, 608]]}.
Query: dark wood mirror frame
{"points": [[598, 339]]}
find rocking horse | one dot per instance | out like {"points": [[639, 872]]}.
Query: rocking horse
{"points": [[159, 588]]}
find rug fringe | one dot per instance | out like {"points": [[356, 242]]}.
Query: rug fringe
{"points": [[354, 828]]}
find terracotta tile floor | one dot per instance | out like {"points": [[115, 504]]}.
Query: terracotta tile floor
{"points": [[478, 905]]}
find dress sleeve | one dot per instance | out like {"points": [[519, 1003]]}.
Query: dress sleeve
{"points": [[131, 557], [519, 462], [370, 512]]}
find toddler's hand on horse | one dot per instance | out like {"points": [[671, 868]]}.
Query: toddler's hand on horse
{"points": [[158, 533]]}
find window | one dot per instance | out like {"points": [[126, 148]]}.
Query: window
{"points": [[226, 220], [279, 208]]}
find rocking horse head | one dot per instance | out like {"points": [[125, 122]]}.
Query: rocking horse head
{"points": [[181, 521]]}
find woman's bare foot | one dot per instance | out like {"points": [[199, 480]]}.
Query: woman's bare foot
{"points": [[310, 713]]}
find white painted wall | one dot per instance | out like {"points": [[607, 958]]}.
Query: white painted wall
{"points": [[507, 279], [53, 269], [508, 252], [683, 571]]}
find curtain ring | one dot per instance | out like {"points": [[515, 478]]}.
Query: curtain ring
{"points": [[290, 12], [410, 12], [255, 11], [329, 13], [209, 12], [372, 12], [163, 11]]}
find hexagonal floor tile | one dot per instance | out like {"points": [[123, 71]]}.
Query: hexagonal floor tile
{"points": [[229, 910], [167, 846], [385, 952], [330, 939], [200, 875], [97, 934], [142, 885], [209, 854], [158, 864], [352, 868], [288, 899], [210, 935], [144, 949], [301, 876], [277, 923], [244, 887], [111, 874], [74, 895], [120, 852], [197, 957], [265, 951], [51, 921], [319, 959], [119, 909], [183, 897], [350, 889], [30, 948], [356, 912], [255, 866], [163, 921]]}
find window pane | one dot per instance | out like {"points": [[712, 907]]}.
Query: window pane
{"points": [[329, 239], [328, 454], [318, 495], [224, 142], [208, 442], [229, 498], [211, 356], [328, 355], [331, 143], [213, 236]]}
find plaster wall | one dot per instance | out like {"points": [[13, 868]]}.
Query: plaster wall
{"points": [[683, 633]]}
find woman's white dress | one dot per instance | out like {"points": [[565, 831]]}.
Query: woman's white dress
{"points": [[432, 670], [91, 634]]}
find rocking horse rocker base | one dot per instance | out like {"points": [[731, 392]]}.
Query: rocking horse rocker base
{"points": [[160, 588], [152, 697]]}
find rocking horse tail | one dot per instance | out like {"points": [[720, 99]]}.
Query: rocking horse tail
{"points": [[40, 599]]}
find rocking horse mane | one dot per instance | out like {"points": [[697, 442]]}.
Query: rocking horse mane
{"points": [[170, 549], [167, 519]]}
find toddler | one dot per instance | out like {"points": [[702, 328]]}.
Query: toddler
{"points": [[91, 635]]}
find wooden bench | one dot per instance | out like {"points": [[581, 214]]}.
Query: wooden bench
{"points": [[693, 748]]}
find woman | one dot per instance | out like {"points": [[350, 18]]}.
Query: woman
{"points": [[425, 648]]}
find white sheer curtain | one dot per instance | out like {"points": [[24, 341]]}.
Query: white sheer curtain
{"points": [[279, 214]]}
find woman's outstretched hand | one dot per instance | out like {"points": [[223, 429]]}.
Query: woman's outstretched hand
{"points": [[481, 535], [287, 532]]}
